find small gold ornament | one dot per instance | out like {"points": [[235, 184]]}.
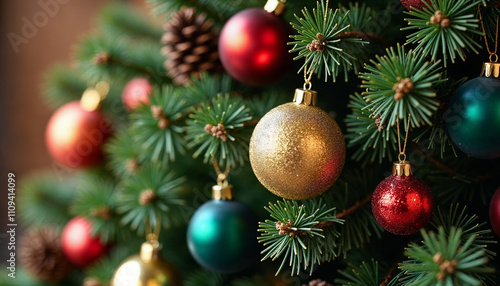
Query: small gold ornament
{"points": [[146, 269], [297, 151]]}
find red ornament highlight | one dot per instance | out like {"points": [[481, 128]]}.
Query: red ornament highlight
{"points": [[402, 204], [495, 212], [78, 245], [74, 136], [136, 92], [253, 47], [416, 4]]}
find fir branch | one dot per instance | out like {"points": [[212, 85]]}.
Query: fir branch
{"points": [[119, 20], [156, 127], [366, 274], [105, 267], [207, 86], [153, 194], [295, 234], [351, 194], [62, 85], [105, 58], [457, 217], [319, 42], [122, 154], [399, 84], [446, 27], [445, 257], [216, 129], [97, 202], [369, 132], [260, 105], [43, 199]]}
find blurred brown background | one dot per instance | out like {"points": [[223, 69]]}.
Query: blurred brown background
{"points": [[25, 55]]}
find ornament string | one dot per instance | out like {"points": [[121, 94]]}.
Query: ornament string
{"points": [[402, 153], [493, 54], [221, 177], [152, 236], [307, 79]]}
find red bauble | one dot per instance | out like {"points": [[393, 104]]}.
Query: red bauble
{"points": [[416, 4], [78, 245], [74, 136], [402, 204], [136, 92], [253, 47], [495, 212]]}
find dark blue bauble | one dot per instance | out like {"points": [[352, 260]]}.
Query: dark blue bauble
{"points": [[473, 117], [222, 236]]}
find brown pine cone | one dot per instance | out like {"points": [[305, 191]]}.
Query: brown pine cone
{"points": [[42, 255], [190, 46], [318, 282]]}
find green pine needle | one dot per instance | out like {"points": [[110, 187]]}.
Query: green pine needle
{"points": [[302, 242], [457, 217], [157, 143], [43, 199], [163, 190], [366, 274], [449, 41], [330, 30], [97, 202], [122, 154], [371, 137], [230, 147], [207, 86], [423, 266], [62, 85], [382, 78]]}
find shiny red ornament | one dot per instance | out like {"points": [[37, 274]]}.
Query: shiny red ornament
{"points": [[402, 204], [79, 246], [416, 4], [253, 47], [74, 136], [136, 92], [495, 212]]}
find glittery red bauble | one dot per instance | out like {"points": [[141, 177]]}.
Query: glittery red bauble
{"points": [[78, 245], [402, 204], [495, 212], [253, 47], [74, 136], [136, 91], [416, 4]]}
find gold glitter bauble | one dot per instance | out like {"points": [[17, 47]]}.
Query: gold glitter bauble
{"points": [[146, 269], [297, 151]]}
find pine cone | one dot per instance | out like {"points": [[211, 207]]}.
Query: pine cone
{"points": [[318, 282], [190, 46], [42, 255]]}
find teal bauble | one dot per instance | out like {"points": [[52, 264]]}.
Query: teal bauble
{"points": [[473, 115], [222, 234]]}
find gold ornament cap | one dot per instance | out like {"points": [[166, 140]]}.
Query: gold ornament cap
{"points": [[150, 251], [276, 7], [305, 96], [491, 70], [222, 192], [401, 168]]}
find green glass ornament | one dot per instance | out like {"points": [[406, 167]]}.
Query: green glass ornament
{"points": [[473, 115], [222, 234]]}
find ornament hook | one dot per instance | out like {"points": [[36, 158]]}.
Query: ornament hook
{"points": [[152, 236], [307, 79], [221, 177], [402, 152], [493, 54]]}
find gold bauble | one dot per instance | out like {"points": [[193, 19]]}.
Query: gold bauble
{"points": [[146, 269], [297, 151]]}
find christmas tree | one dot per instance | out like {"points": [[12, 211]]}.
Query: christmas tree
{"points": [[268, 143]]}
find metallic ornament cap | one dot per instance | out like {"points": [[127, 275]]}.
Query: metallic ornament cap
{"points": [[275, 6], [401, 168], [491, 70], [150, 251], [224, 192], [305, 96]]}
